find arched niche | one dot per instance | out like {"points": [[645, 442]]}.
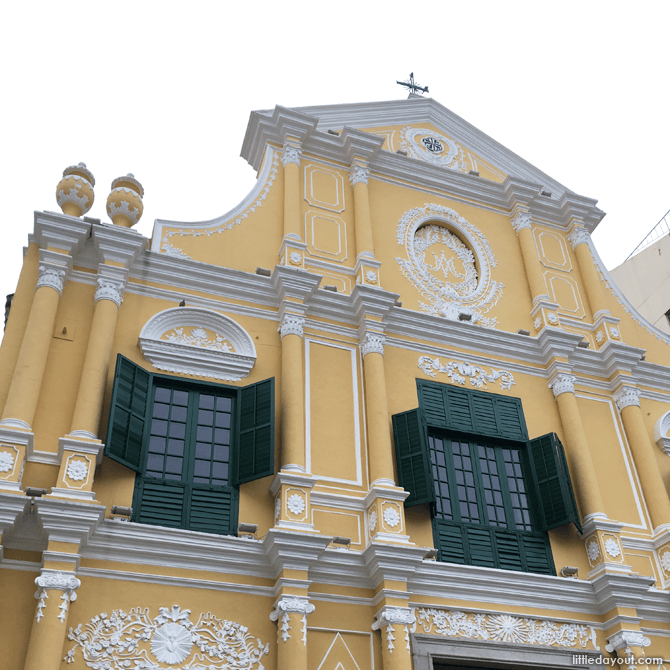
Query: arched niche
{"points": [[199, 342]]}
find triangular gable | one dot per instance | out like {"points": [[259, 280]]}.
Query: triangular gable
{"points": [[338, 656]]}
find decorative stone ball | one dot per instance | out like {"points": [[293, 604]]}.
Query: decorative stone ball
{"points": [[124, 203], [74, 192]]}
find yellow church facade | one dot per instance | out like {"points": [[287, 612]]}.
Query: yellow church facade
{"points": [[390, 412]]}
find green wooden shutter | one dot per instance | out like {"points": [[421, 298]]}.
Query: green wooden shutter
{"points": [[159, 503], [127, 413], [552, 482], [255, 453], [470, 411], [412, 457], [450, 542], [212, 510]]}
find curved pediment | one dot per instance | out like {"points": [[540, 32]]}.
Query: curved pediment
{"points": [[199, 342]]}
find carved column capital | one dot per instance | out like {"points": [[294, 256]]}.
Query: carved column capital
{"points": [[109, 289], [627, 396], [291, 154], [292, 324], [359, 173], [287, 605], [372, 343], [62, 581], [393, 615], [521, 220], [50, 276], [578, 235], [624, 639], [562, 383]]}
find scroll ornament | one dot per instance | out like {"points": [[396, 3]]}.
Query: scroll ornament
{"points": [[459, 372], [126, 640]]}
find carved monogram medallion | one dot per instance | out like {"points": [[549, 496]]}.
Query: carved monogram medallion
{"points": [[449, 261], [427, 145]]}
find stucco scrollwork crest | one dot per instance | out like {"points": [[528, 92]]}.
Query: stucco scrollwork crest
{"points": [[459, 371], [458, 281], [505, 628], [427, 145], [123, 640], [197, 341]]}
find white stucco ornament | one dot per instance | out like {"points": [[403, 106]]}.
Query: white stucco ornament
{"points": [[592, 550], [427, 145], [295, 504], [391, 517], [612, 547], [6, 461], [459, 371], [449, 262], [665, 561], [129, 640], [599, 336], [505, 628], [537, 323], [372, 522], [77, 470], [199, 342]]}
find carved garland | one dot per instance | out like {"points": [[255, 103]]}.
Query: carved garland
{"points": [[449, 290], [460, 371], [505, 628], [120, 641], [170, 250]]}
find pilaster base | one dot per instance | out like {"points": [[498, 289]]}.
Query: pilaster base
{"points": [[386, 515], [78, 458], [292, 492]]}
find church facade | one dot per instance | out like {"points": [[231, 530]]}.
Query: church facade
{"points": [[391, 412]]}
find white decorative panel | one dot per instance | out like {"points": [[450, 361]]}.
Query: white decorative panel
{"points": [[553, 250], [326, 236], [324, 188]]}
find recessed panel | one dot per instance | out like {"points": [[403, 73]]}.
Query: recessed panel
{"points": [[326, 236], [324, 188], [553, 250], [565, 293]]}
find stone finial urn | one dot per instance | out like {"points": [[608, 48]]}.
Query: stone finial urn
{"points": [[74, 192], [124, 203]]}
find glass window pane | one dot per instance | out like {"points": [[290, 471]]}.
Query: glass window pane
{"points": [[222, 420], [167, 475], [157, 444], [178, 413], [178, 430], [162, 395], [206, 401], [221, 453], [201, 468], [221, 436], [220, 470], [176, 447], [201, 480], [204, 434], [203, 450], [173, 464], [159, 427], [180, 398], [223, 404], [161, 411], [155, 462], [205, 417]]}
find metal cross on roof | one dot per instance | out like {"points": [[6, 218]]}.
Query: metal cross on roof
{"points": [[412, 85]]}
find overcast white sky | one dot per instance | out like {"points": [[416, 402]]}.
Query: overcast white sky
{"points": [[164, 90]]}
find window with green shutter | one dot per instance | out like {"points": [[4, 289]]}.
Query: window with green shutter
{"points": [[493, 492], [191, 444]]}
